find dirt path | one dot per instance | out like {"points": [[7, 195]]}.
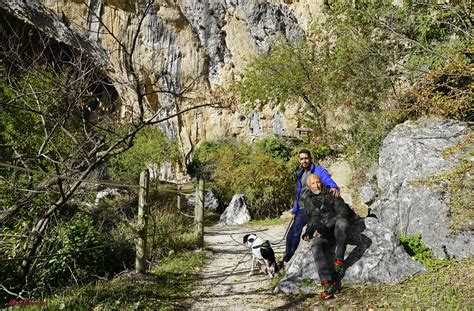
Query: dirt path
{"points": [[224, 283]]}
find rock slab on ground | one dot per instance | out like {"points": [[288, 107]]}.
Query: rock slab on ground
{"points": [[377, 258]]}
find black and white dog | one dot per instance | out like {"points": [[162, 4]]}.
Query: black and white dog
{"points": [[262, 255]]}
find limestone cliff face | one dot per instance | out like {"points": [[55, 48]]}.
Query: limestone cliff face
{"points": [[193, 46]]}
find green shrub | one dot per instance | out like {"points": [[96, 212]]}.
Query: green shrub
{"points": [[277, 148], [169, 232], [10, 247], [206, 156], [104, 254], [366, 138], [263, 172], [79, 233], [447, 91]]}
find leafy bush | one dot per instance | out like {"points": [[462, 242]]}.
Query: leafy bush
{"points": [[366, 139], [10, 247], [277, 148], [447, 91], [263, 172], [206, 157], [110, 239], [80, 233]]}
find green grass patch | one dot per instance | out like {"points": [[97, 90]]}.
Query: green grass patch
{"points": [[422, 253], [169, 285]]}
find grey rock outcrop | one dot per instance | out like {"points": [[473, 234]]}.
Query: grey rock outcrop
{"points": [[34, 13], [236, 213], [367, 194], [108, 192], [210, 201], [255, 124], [278, 123], [413, 151], [377, 257], [209, 18]]}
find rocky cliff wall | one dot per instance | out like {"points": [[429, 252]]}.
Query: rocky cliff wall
{"points": [[193, 46]]}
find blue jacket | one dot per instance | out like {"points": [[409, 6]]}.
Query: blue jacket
{"points": [[326, 180]]}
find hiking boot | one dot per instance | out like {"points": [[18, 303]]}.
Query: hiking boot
{"points": [[328, 290], [339, 273]]}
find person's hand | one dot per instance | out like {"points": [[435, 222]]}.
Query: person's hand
{"points": [[335, 192], [293, 216], [317, 234]]}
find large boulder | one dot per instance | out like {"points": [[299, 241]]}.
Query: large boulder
{"points": [[414, 151], [210, 201], [236, 213], [373, 256]]}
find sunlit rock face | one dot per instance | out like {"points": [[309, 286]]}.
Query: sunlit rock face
{"points": [[189, 47], [411, 153]]}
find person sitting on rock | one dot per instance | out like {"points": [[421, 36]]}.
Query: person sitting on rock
{"points": [[298, 213], [328, 223]]}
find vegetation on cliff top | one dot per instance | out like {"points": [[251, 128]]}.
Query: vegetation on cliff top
{"points": [[374, 64]]}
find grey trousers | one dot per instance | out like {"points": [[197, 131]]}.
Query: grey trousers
{"points": [[323, 249]]}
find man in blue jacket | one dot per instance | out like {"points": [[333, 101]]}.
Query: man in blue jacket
{"points": [[298, 213]]}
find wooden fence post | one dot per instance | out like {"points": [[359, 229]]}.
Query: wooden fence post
{"points": [[141, 241], [199, 212]]}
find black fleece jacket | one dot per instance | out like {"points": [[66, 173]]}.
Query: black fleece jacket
{"points": [[322, 211]]}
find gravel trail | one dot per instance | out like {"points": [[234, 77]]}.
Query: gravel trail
{"points": [[224, 284]]}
